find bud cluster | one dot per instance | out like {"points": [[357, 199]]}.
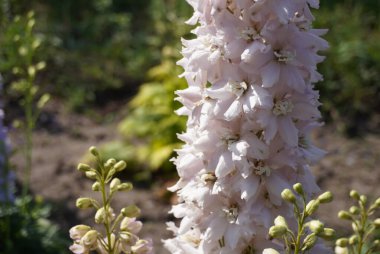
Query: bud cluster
{"points": [[305, 238], [251, 105], [363, 226], [121, 231]]}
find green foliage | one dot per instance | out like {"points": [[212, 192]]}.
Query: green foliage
{"points": [[150, 127], [351, 89], [29, 232]]}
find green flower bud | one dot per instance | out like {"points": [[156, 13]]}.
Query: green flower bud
{"points": [[363, 199], [121, 165], [270, 251], [91, 175], [316, 226], [376, 223], [344, 215], [114, 184], [23, 51], [131, 211], [298, 188], [288, 196], [90, 238], [312, 206], [326, 197], [354, 210], [327, 234], [377, 203], [94, 151], [354, 239], [125, 187], [84, 203], [110, 163], [83, 167], [41, 66], [96, 186], [342, 242], [100, 215], [354, 194], [277, 231], [376, 242], [309, 242], [280, 221]]}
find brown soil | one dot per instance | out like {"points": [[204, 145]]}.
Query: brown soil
{"points": [[350, 163]]}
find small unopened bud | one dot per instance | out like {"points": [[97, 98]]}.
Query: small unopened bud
{"points": [[325, 197], [312, 206], [288, 196], [110, 163], [78, 231], [94, 151], [270, 251], [354, 210], [363, 199], [344, 215], [354, 194], [90, 238], [353, 240], [131, 211], [114, 184], [131, 225], [376, 223], [125, 187], [41, 66], [309, 241], [277, 231], [36, 43], [376, 242], [91, 174], [96, 186], [83, 167], [316, 226], [327, 234], [280, 221], [121, 165], [30, 14], [22, 51], [377, 203], [84, 203], [31, 23], [341, 250], [100, 215], [298, 188], [342, 242]]}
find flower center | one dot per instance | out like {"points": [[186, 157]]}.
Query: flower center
{"points": [[237, 88], [282, 107], [209, 177], [284, 56], [232, 213], [261, 169], [249, 34]]}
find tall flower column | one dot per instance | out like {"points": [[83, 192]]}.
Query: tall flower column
{"points": [[251, 105]]}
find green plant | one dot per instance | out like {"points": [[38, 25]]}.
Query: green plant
{"points": [[362, 240]]}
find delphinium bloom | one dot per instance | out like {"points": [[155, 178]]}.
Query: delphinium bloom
{"points": [[7, 177], [251, 106]]}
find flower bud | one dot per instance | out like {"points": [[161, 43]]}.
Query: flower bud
{"points": [[354, 210], [78, 231], [125, 187], [83, 167], [22, 51], [131, 211], [309, 242], [341, 250], [377, 203], [280, 221], [376, 223], [363, 199], [131, 225], [312, 206], [94, 151], [100, 215], [41, 66], [376, 242], [91, 175], [344, 215], [84, 203], [342, 242], [114, 184], [120, 166], [90, 238], [288, 196], [326, 197], [298, 188], [96, 186], [277, 231], [270, 251], [142, 246], [110, 163], [354, 239], [354, 194], [316, 226], [327, 234]]}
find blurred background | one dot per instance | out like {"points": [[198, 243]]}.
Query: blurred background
{"points": [[109, 69]]}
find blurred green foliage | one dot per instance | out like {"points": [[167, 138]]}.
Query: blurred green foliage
{"points": [[350, 92], [149, 129], [29, 232]]}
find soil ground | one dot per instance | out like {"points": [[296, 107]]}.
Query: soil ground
{"points": [[65, 137]]}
